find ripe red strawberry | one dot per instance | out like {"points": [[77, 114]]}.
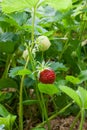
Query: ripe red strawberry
{"points": [[47, 76]]}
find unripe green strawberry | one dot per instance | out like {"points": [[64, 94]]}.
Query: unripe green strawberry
{"points": [[25, 54], [47, 76], [43, 43], [74, 54]]}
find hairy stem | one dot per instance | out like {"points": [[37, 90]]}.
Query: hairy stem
{"points": [[22, 79], [21, 99], [7, 66], [45, 112], [33, 23], [82, 119], [74, 122]]}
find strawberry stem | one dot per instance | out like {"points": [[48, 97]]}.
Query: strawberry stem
{"points": [[75, 120], [21, 99], [45, 111], [82, 119], [22, 79]]}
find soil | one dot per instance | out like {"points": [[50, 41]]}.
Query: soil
{"points": [[65, 123], [60, 124]]}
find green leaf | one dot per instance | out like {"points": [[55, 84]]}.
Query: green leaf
{"points": [[30, 102], [58, 66], [13, 72], [7, 83], [3, 111], [71, 93], [23, 72], [49, 89], [83, 96], [83, 75], [8, 121], [7, 20], [9, 6], [60, 4], [73, 79], [8, 94], [14, 20], [19, 71], [8, 42], [19, 18]]}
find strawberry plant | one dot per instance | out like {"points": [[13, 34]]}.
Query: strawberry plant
{"points": [[42, 50]]}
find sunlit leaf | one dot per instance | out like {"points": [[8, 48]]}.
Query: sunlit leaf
{"points": [[8, 121], [71, 93], [60, 4], [9, 6], [72, 79], [49, 89], [83, 75], [23, 72], [83, 96], [3, 111]]}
